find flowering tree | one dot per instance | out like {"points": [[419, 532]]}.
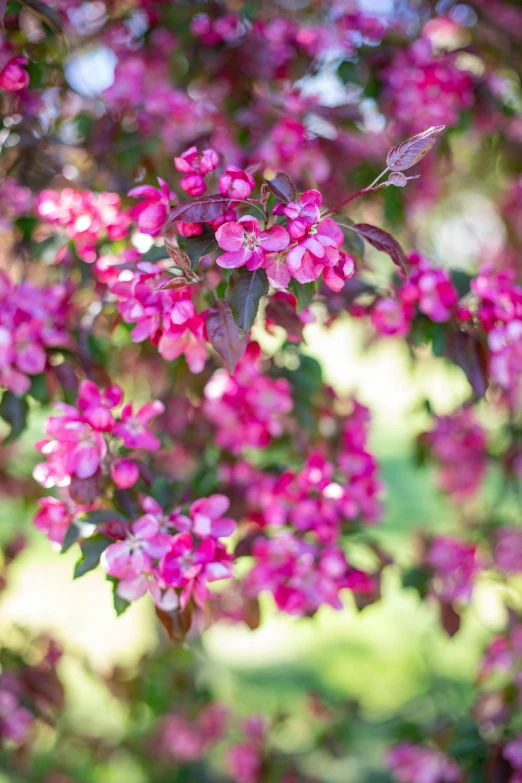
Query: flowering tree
{"points": [[186, 187]]}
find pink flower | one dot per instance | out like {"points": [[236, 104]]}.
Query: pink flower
{"points": [[513, 753], [53, 519], [245, 244], [96, 405], [459, 445], [132, 428], [192, 568], [130, 558], [125, 473], [415, 764], [13, 76], [236, 183], [302, 214], [196, 166], [317, 249], [456, 566], [249, 408], [151, 213], [207, 517], [389, 317], [244, 762], [190, 229]]}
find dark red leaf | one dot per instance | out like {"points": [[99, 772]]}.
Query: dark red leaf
{"points": [[281, 312], [411, 151], [384, 242], [282, 187], [3, 5], [471, 355], [243, 295], [48, 15], [177, 623], [201, 210], [224, 334], [449, 618], [176, 282]]}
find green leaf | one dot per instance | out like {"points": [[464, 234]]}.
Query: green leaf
{"points": [[120, 604], [303, 292], [102, 516], [13, 410], [195, 247], [39, 390], [243, 295], [92, 549], [155, 254], [74, 532]]}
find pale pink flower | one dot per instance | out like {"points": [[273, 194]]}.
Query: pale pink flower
{"points": [[244, 243], [53, 519]]}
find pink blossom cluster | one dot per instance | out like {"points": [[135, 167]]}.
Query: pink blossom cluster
{"points": [[175, 556], [32, 320], [424, 89], [186, 739], [151, 213], [499, 311], [429, 289], [508, 549], [289, 146], [311, 245], [16, 721], [165, 316], [211, 32], [248, 408], [459, 445], [455, 565], [244, 758], [498, 706], [85, 217], [503, 656], [417, 764], [85, 442], [301, 575], [143, 93], [15, 200]]}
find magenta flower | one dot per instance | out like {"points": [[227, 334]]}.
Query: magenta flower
{"points": [[132, 428], [317, 249], [456, 565], [144, 543], [96, 405], [192, 568], [13, 75], [125, 473], [236, 183], [195, 166], [151, 213], [302, 214], [244, 243], [190, 229], [415, 764]]}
